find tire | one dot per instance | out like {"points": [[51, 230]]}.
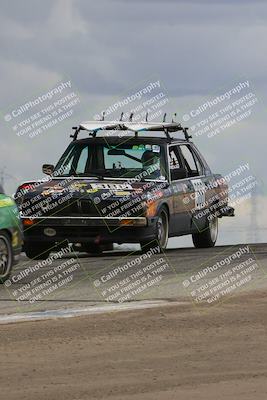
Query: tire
{"points": [[107, 247], [6, 256], [208, 237], [94, 249], [162, 233], [37, 250]]}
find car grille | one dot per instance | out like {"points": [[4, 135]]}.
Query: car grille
{"points": [[81, 208], [72, 208]]}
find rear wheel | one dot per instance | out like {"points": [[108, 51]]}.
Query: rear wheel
{"points": [[208, 237], [37, 250], [162, 237], [6, 256]]}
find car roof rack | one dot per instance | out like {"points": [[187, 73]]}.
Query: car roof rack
{"points": [[93, 127]]}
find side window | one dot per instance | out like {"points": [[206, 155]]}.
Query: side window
{"points": [[199, 164], [175, 161], [81, 166], [176, 166], [192, 164], [67, 165]]}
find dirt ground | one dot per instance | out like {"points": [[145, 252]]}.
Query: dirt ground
{"points": [[172, 352]]}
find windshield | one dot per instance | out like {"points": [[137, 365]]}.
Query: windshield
{"points": [[121, 161]]}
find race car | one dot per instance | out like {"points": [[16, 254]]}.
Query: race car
{"points": [[10, 235], [125, 182]]}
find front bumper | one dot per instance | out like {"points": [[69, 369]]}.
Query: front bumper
{"points": [[89, 229]]}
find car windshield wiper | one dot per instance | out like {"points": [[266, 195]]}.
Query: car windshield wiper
{"points": [[90, 175]]}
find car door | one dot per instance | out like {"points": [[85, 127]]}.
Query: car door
{"points": [[180, 222], [197, 187]]}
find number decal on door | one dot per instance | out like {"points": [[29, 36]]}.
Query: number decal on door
{"points": [[200, 190]]}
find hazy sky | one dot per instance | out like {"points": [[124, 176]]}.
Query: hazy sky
{"points": [[197, 49]]}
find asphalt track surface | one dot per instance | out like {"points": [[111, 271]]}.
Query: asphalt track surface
{"points": [[89, 282]]}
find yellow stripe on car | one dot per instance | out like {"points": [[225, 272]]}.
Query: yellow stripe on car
{"points": [[6, 203], [15, 239]]}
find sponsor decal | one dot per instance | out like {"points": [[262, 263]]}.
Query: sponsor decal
{"points": [[200, 190], [51, 190], [122, 193], [156, 148], [91, 190], [112, 186], [78, 185]]}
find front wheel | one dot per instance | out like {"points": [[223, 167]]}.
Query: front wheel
{"points": [[162, 237], [208, 237], [95, 249], [37, 250], [6, 256]]}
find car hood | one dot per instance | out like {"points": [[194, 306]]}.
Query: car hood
{"points": [[72, 196], [89, 186]]}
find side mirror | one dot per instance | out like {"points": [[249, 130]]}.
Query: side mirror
{"points": [[48, 169], [178, 173]]}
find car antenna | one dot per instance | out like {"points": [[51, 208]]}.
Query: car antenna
{"points": [[174, 116], [146, 116], [103, 116], [121, 116], [131, 117]]}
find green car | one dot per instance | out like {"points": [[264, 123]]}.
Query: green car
{"points": [[10, 235]]}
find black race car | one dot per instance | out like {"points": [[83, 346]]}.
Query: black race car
{"points": [[124, 183]]}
